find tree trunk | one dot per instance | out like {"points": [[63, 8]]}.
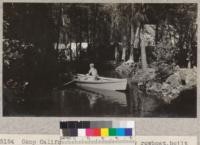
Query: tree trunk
{"points": [[59, 26], [77, 51], [131, 57], [70, 51], [124, 53], [137, 37], [116, 53], [189, 64], [124, 48], [89, 26], [143, 50]]}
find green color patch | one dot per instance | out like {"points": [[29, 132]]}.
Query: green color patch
{"points": [[112, 132]]}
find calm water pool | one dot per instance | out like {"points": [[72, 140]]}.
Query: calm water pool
{"points": [[76, 101]]}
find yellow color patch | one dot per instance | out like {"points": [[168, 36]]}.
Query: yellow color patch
{"points": [[104, 131]]}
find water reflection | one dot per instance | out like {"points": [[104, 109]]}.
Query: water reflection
{"points": [[76, 101], [139, 103], [84, 101]]}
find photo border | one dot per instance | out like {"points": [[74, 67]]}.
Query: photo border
{"points": [[144, 126]]}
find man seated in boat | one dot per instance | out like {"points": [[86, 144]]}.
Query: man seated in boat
{"points": [[93, 72]]}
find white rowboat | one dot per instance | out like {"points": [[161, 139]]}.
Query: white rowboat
{"points": [[101, 82]]}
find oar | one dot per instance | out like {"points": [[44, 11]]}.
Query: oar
{"points": [[69, 83]]}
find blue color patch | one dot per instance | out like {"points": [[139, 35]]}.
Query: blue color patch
{"points": [[128, 132], [120, 132]]}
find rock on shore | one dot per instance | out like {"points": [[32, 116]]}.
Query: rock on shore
{"points": [[168, 88]]}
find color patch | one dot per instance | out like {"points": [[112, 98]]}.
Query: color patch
{"points": [[81, 132], [112, 131], [63, 124], [115, 124], [86, 124], [122, 124], [120, 132], [89, 132], [130, 124], [104, 132], [80, 124], [95, 124], [66, 132], [128, 132], [72, 124], [74, 132], [96, 132]]}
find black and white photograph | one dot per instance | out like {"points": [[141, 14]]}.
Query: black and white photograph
{"points": [[99, 60]]}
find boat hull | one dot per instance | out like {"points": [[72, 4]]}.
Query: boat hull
{"points": [[102, 83]]}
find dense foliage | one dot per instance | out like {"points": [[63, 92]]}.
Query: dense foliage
{"points": [[31, 32]]}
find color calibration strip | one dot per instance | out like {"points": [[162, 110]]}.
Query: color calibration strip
{"points": [[97, 128]]}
